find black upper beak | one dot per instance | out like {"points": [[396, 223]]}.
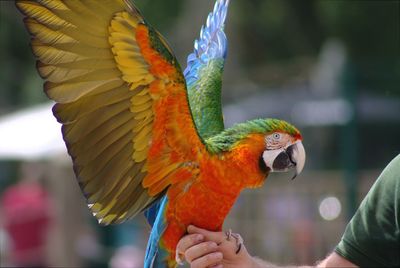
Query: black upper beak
{"points": [[283, 161]]}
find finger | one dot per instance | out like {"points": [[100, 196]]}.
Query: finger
{"points": [[211, 259], [200, 250], [217, 237], [189, 241]]}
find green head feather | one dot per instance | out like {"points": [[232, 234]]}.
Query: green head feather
{"points": [[225, 140]]}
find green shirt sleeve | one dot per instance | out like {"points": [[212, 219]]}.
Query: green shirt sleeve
{"points": [[372, 238]]}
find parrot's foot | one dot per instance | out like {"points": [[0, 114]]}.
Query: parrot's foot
{"points": [[238, 238]]}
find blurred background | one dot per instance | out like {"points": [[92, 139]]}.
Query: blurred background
{"points": [[332, 68]]}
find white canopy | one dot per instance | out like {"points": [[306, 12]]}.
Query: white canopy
{"points": [[31, 134]]}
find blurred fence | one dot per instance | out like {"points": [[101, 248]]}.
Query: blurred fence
{"points": [[283, 221]]}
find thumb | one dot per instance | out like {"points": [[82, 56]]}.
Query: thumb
{"points": [[217, 237]]}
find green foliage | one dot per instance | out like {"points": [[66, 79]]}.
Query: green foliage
{"points": [[370, 30], [161, 14], [17, 67], [278, 31]]}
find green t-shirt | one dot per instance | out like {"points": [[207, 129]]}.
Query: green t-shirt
{"points": [[372, 238]]}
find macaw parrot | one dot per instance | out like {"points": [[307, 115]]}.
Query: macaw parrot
{"points": [[142, 134]]}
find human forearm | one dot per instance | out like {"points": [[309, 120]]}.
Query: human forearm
{"points": [[259, 263], [333, 260]]}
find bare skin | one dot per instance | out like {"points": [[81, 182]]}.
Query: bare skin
{"points": [[202, 248]]}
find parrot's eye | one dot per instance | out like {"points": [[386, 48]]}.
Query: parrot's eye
{"points": [[275, 140], [276, 136]]}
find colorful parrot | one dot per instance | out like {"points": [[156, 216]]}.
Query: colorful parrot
{"points": [[142, 134]]}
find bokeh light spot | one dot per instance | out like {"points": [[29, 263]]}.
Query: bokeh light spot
{"points": [[330, 208]]}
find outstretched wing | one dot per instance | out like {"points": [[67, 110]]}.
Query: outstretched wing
{"points": [[203, 73], [121, 98]]}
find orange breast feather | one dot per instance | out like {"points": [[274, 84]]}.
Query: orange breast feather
{"points": [[206, 200]]}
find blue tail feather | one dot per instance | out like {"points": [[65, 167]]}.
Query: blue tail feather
{"points": [[155, 255], [152, 211]]}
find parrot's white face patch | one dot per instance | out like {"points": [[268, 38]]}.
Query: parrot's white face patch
{"points": [[269, 157]]}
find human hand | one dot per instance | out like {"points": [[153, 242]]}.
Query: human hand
{"points": [[202, 248]]}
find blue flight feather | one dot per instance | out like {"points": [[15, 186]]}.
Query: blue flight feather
{"points": [[212, 43], [152, 211], [156, 255]]}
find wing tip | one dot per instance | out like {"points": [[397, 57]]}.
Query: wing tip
{"points": [[213, 29], [19, 4]]}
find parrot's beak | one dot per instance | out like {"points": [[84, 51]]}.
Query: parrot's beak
{"points": [[294, 156]]}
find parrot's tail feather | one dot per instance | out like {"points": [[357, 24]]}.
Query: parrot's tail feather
{"points": [[156, 256], [152, 211]]}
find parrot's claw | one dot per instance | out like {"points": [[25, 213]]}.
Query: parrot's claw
{"points": [[238, 238]]}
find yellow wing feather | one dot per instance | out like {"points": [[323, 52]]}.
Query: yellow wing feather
{"points": [[107, 92]]}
